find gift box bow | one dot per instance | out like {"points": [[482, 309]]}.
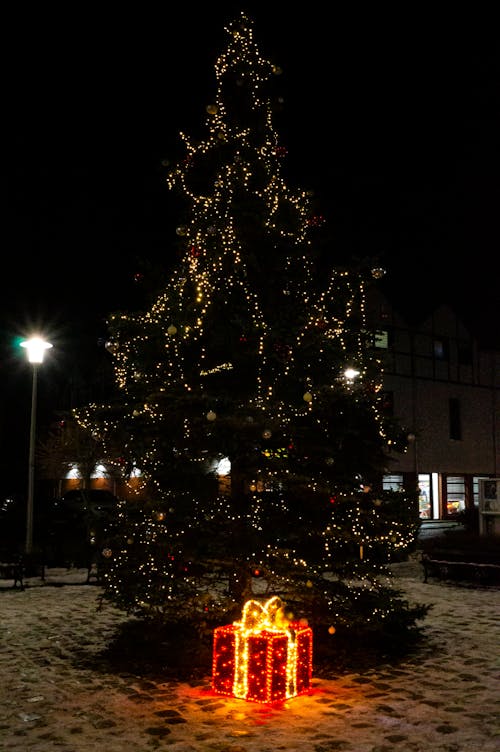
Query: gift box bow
{"points": [[257, 616]]}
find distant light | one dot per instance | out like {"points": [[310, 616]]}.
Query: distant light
{"points": [[73, 473], [351, 373], [99, 471], [36, 347], [224, 466]]}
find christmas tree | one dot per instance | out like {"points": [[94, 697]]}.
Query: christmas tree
{"points": [[249, 397]]}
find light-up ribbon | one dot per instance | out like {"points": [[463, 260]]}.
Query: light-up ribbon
{"points": [[257, 617]]}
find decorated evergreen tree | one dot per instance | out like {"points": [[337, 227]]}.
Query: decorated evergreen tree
{"points": [[250, 399]]}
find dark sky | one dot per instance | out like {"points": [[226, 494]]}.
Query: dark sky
{"points": [[391, 117], [392, 121]]}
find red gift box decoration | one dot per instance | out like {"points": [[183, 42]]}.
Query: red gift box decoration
{"points": [[264, 657]]}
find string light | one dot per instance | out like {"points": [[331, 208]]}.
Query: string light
{"points": [[173, 379]]}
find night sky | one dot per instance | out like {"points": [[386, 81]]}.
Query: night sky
{"points": [[391, 118]]}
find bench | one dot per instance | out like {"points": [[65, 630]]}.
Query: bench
{"points": [[448, 565], [12, 568]]}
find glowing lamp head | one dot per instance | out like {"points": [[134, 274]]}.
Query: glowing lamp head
{"points": [[35, 348]]}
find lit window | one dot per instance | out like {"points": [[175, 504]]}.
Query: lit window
{"points": [[455, 494], [382, 339], [392, 483]]}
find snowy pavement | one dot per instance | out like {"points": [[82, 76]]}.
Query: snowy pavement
{"points": [[56, 695]]}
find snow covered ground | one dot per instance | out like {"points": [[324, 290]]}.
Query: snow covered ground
{"points": [[57, 695]]}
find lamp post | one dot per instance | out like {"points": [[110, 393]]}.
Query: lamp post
{"points": [[35, 348]]}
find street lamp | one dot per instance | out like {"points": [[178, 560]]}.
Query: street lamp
{"points": [[35, 348]]}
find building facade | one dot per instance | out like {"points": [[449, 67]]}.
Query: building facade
{"points": [[445, 390]]}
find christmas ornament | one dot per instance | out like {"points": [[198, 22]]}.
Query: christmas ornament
{"points": [[107, 553], [266, 433], [378, 272], [172, 329], [212, 109], [181, 230], [111, 346], [307, 397], [211, 416]]}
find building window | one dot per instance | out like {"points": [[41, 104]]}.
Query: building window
{"points": [[455, 494], [392, 483], [455, 421], [424, 496], [441, 349], [382, 338], [464, 353]]}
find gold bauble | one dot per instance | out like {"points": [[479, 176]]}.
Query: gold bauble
{"points": [[211, 416], [307, 397], [172, 329]]}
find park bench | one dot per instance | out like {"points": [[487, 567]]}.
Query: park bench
{"points": [[12, 568], [455, 564]]}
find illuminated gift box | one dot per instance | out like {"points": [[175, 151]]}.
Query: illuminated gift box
{"points": [[264, 657]]}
